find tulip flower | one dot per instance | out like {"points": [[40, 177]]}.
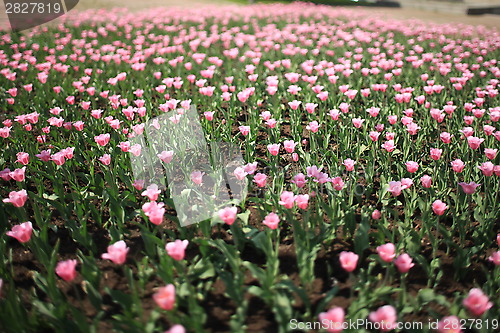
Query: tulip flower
{"points": [[165, 297], [348, 260], [177, 249], [66, 269], [477, 302], [332, 320], [21, 232], [387, 252], [117, 253], [271, 221]]}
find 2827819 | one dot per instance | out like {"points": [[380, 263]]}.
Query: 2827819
{"points": [[32, 8]]}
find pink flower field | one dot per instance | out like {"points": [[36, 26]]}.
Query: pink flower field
{"points": [[369, 166]]}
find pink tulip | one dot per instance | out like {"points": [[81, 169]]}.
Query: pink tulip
{"points": [[348, 260], [374, 135], [287, 199], [166, 156], [376, 214], [117, 253], [450, 324], [177, 249], [439, 207], [209, 115], [495, 258], [176, 329], [271, 221], [302, 201], [457, 165], [349, 164], [105, 159], [299, 180], [445, 137], [474, 142], [18, 174], [197, 177], [357, 122], [274, 148], [386, 317], [395, 188], [289, 145], [487, 168], [244, 130], [154, 211], [165, 297], [477, 302], [23, 158], [403, 262], [260, 179], [469, 188], [490, 153], [21, 232], [17, 198], [102, 139], [389, 146], [406, 183], [228, 215], [66, 269], [426, 181], [152, 192], [332, 320], [387, 252], [411, 166], [436, 153], [313, 126], [139, 184]]}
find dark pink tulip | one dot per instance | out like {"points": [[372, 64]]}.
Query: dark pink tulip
{"points": [[66, 269], [23, 158], [177, 249], [21, 232], [469, 188]]}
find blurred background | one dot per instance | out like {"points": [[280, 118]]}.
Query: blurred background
{"points": [[474, 12]]}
